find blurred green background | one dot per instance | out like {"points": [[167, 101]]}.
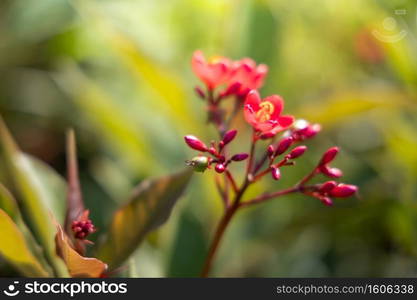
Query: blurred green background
{"points": [[118, 71]]}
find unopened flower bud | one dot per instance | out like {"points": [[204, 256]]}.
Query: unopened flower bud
{"points": [[300, 124], [297, 152], [343, 190], [229, 136], [283, 145], [240, 156], [331, 172], [212, 150], [195, 143], [267, 135], [311, 131], [304, 130], [276, 173], [200, 92], [220, 168], [83, 226], [199, 163], [329, 155], [270, 150], [327, 186], [326, 201]]}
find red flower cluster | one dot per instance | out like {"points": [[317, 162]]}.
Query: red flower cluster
{"points": [[237, 77], [242, 79], [83, 226]]}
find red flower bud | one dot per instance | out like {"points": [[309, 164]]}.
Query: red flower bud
{"points": [[297, 152], [303, 130], [270, 150], [229, 136], [220, 168], [276, 173], [343, 190], [327, 186], [329, 155], [221, 159], [200, 92], [331, 172], [212, 151], [326, 201], [195, 143], [283, 145], [267, 135], [311, 130], [240, 156], [83, 226]]}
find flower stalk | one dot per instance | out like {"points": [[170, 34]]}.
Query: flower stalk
{"points": [[240, 80]]}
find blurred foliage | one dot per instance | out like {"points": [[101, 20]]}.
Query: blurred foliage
{"points": [[118, 72]]}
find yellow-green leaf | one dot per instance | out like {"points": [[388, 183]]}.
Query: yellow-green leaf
{"points": [[14, 249], [34, 197], [52, 184], [9, 205], [148, 208], [78, 266]]}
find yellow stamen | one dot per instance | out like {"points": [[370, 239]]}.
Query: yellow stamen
{"points": [[265, 112], [215, 59]]}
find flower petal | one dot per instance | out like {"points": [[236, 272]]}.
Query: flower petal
{"points": [[278, 103], [252, 101], [286, 121]]}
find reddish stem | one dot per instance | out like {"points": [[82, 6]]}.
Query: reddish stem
{"points": [[267, 170], [221, 227], [269, 196], [308, 177], [251, 154], [232, 181], [263, 173], [223, 194]]}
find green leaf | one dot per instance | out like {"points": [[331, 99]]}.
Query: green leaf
{"points": [[14, 249], [148, 208], [9, 205], [189, 248], [34, 197], [51, 183]]}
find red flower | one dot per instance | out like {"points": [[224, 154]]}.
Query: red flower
{"points": [[247, 76], [265, 115], [214, 72], [83, 226]]}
